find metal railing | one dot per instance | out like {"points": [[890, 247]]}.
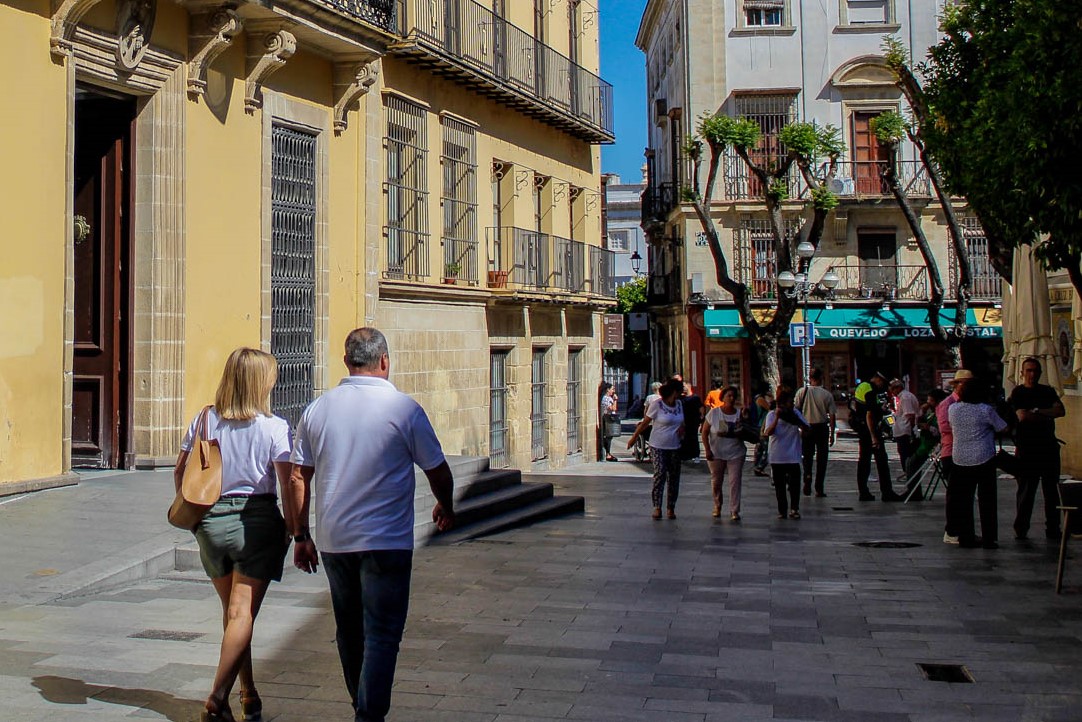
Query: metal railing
{"points": [[657, 202], [381, 13], [532, 260], [882, 282], [471, 35], [569, 267], [460, 260], [862, 178]]}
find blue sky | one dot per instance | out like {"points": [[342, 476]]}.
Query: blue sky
{"points": [[623, 65]]}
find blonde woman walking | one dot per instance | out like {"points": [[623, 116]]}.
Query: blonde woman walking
{"points": [[242, 539]]}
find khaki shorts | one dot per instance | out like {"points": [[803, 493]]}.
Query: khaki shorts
{"points": [[246, 534]]}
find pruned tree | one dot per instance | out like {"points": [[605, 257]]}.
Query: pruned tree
{"points": [[890, 129], [813, 150]]}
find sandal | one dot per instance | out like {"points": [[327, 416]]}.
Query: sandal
{"points": [[794, 514], [222, 714], [251, 706]]}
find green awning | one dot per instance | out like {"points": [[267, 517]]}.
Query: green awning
{"points": [[865, 324]]}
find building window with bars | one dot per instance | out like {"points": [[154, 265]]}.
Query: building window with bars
{"points": [[771, 113], [498, 451], [756, 257], [406, 189], [574, 398], [293, 269], [986, 281], [459, 200], [538, 390], [764, 14]]}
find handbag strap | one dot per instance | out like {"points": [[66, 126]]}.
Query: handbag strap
{"points": [[201, 426]]}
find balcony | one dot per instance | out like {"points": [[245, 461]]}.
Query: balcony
{"points": [[852, 179], [522, 259], [468, 42], [380, 13], [657, 202], [873, 283]]}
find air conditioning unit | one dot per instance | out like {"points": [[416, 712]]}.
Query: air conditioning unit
{"points": [[842, 186]]}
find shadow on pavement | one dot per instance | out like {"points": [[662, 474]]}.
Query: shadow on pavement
{"points": [[64, 690]]}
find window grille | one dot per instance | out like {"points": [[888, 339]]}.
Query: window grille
{"points": [[538, 423], [497, 410], [459, 200], [986, 282], [293, 273], [757, 261], [406, 189], [618, 240], [771, 113], [574, 410]]}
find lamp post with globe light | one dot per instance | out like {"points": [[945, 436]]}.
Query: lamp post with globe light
{"points": [[797, 286]]}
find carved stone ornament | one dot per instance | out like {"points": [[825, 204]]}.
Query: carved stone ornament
{"points": [[351, 82], [134, 23], [212, 33], [278, 47], [66, 16]]}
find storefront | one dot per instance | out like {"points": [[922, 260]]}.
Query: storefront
{"points": [[856, 342]]}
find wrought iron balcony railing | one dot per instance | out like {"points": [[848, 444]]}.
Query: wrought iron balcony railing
{"points": [[469, 41], [460, 260], [658, 201], [852, 179], [380, 13], [860, 282], [530, 260]]}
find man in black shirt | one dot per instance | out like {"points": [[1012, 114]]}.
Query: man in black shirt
{"points": [[1037, 406]]}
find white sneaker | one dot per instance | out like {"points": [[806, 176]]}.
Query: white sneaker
{"points": [[948, 539]]}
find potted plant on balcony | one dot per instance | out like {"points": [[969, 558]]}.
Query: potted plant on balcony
{"points": [[497, 279], [450, 272]]}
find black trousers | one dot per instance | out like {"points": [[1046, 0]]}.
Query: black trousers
{"points": [[906, 444], [864, 464], [816, 446], [786, 478], [964, 481], [1038, 470]]}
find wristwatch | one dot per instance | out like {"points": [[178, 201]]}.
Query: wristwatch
{"points": [[302, 537], [1034, 410]]}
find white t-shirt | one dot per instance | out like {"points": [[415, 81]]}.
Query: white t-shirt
{"points": [[249, 450], [363, 438], [905, 403], [724, 447], [665, 421], [785, 444]]}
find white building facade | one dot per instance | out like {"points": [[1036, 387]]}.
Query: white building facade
{"points": [[776, 62]]}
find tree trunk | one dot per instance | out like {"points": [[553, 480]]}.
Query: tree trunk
{"points": [[766, 375]]}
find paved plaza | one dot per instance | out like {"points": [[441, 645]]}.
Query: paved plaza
{"points": [[603, 616]]}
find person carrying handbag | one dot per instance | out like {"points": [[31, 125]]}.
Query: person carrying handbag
{"points": [[242, 536], [725, 450], [609, 418]]}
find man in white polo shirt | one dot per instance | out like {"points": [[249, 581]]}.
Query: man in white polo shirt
{"points": [[356, 446]]}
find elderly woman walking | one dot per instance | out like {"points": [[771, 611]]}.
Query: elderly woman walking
{"points": [[974, 424], [665, 416], [242, 538]]}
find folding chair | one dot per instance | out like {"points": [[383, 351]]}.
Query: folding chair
{"points": [[1070, 502], [932, 470]]}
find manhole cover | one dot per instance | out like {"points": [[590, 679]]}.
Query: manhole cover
{"points": [[842, 508], [165, 635], [886, 544], [955, 673]]}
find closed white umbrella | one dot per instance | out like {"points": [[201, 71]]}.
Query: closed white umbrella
{"points": [[1027, 323]]}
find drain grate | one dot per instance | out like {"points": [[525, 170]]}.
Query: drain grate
{"points": [[842, 508], [953, 673], [886, 544], [165, 635]]}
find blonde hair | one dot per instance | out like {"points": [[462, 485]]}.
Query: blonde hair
{"points": [[245, 388]]}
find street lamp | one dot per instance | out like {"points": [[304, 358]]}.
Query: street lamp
{"points": [[636, 261], [797, 286]]}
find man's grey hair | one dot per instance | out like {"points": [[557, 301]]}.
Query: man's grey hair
{"points": [[365, 347]]}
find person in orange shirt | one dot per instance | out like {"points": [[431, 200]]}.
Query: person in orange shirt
{"points": [[713, 398]]}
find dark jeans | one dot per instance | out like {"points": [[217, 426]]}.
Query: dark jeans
{"points": [[370, 594], [864, 464], [786, 478], [816, 444], [1038, 470], [964, 481], [906, 445]]}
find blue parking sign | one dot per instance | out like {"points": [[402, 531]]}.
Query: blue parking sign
{"points": [[801, 334]]}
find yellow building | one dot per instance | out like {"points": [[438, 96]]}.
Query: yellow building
{"points": [[191, 177]]}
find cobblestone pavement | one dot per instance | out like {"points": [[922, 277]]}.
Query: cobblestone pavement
{"points": [[603, 616]]}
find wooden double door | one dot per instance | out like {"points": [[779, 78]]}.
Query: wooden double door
{"points": [[102, 251]]}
